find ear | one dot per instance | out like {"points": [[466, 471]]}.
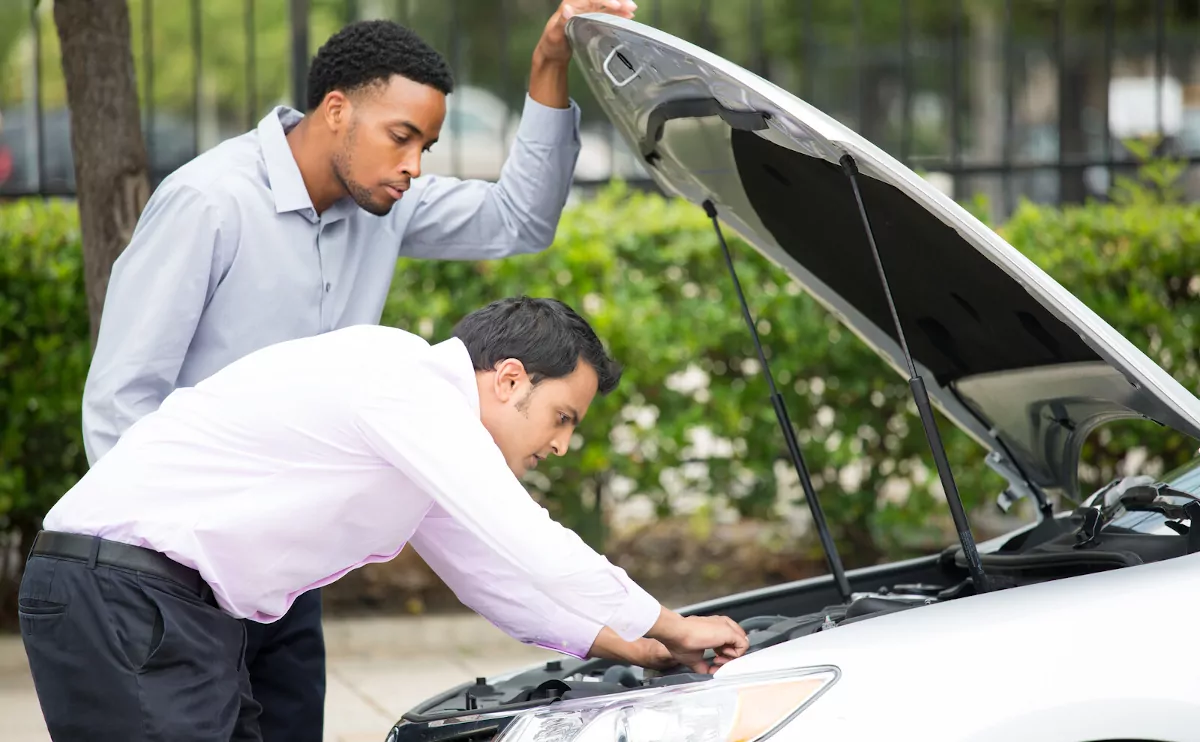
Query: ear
{"points": [[337, 109], [510, 377]]}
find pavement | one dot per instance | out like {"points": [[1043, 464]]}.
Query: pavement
{"points": [[377, 668]]}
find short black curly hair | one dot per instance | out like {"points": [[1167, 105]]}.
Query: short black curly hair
{"points": [[371, 52]]}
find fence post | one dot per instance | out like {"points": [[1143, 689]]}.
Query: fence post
{"points": [[299, 18]]}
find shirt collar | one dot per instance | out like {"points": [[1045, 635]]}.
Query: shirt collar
{"points": [[287, 185], [452, 356]]}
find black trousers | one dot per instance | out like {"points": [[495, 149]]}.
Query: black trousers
{"points": [[124, 655], [286, 659]]}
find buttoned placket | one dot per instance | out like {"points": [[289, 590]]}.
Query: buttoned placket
{"points": [[323, 289], [324, 285]]}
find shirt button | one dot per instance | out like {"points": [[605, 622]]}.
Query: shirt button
{"points": [[327, 287]]}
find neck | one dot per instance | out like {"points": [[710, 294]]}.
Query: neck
{"points": [[311, 157], [484, 381]]}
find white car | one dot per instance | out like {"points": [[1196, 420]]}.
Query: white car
{"points": [[1070, 629]]}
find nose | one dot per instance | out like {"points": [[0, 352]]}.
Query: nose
{"points": [[559, 445], [411, 165]]}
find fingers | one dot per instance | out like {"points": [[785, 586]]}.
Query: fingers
{"points": [[742, 640], [622, 8], [702, 668]]}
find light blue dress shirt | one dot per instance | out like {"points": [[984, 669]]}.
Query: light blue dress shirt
{"points": [[230, 256]]}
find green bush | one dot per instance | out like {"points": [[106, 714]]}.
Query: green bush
{"points": [[691, 427], [44, 351]]}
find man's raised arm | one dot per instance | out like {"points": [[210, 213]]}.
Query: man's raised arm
{"points": [[455, 219]]}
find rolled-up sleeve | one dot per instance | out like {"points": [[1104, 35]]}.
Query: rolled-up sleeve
{"points": [[434, 437], [155, 296], [454, 219]]}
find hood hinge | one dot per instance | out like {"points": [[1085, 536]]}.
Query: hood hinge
{"points": [[1019, 488]]}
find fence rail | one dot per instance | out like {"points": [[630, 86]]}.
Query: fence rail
{"points": [[1009, 98]]}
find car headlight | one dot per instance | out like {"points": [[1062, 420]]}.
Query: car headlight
{"points": [[737, 709]]}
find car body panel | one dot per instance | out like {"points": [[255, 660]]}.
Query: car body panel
{"points": [[1007, 662]]}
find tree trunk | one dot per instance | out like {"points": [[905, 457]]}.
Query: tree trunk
{"points": [[111, 181]]}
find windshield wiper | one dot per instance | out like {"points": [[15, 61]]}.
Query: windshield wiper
{"points": [[785, 424], [921, 397]]}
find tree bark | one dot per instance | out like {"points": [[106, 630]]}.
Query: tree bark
{"points": [[111, 180]]}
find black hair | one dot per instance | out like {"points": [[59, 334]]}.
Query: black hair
{"points": [[546, 335], [371, 52]]}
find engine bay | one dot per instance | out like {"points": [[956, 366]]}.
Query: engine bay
{"points": [[1118, 526], [480, 710]]}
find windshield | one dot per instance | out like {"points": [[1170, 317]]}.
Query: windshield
{"points": [[1186, 478]]}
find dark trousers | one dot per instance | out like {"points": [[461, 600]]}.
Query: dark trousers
{"points": [[287, 672], [126, 655]]}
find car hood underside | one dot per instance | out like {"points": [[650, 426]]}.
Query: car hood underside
{"points": [[1008, 354]]}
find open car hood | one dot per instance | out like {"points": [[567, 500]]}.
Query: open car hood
{"points": [[1007, 354]]}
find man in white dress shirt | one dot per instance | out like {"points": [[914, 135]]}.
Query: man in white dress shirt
{"points": [[300, 462]]}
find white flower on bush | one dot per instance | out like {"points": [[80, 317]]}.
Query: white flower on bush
{"points": [[833, 441], [825, 416], [895, 491], [691, 380], [623, 439], [851, 476], [643, 416], [593, 303], [704, 444], [631, 512]]}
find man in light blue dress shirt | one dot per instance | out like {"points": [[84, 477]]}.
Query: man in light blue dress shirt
{"points": [[293, 230]]}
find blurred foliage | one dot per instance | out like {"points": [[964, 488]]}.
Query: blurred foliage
{"points": [[223, 55], [691, 428], [833, 49], [44, 353], [43, 356]]}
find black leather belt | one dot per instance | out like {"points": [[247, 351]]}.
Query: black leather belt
{"points": [[115, 554]]}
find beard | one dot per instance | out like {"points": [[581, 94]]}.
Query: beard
{"points": [[360, 193]]}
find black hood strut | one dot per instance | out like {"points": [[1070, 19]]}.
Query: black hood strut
{"points": [[785, 424], [921, 397]]}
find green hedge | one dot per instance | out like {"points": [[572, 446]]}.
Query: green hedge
{"points": [[649, 275], [44, 351]]}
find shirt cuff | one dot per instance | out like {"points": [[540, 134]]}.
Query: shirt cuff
{"points": [[637, 615], [546, 125]]}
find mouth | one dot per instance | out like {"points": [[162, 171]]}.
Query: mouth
{"points": [[534, 460], [394, 192]]}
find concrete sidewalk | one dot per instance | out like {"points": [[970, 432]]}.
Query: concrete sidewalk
{"points": [[377, 670]]}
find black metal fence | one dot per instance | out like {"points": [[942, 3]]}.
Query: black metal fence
{"points": [[1010, 99]]}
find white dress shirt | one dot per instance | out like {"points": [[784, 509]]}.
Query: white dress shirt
{"points": [[309, 458]]}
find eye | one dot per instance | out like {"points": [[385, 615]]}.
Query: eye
{"points": [[399, 139], [563, 418]]}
